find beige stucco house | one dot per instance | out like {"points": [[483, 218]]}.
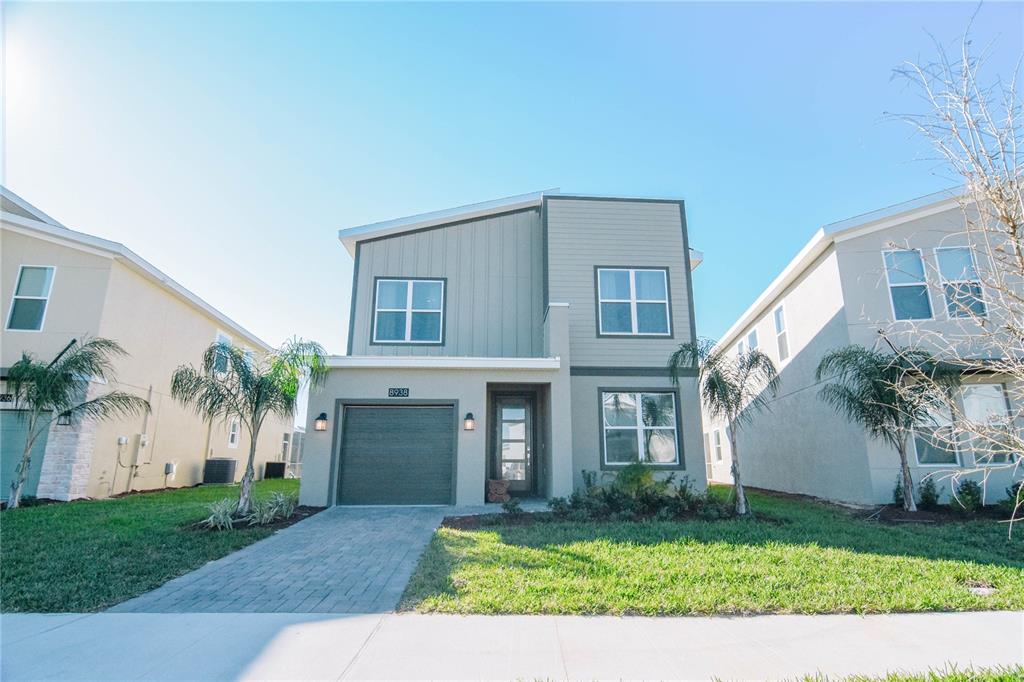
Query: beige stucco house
{"points": [[523, 339], [58, 284], [889, 271]]}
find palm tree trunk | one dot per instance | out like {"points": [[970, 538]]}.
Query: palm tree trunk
{"points": [[908, 483], [21, 473], [741, 497], [245, 490]]}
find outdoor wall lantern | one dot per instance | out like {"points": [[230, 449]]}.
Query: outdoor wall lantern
{"points": [[469, 424], [321, 422]]}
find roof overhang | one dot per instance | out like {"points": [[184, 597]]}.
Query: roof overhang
{"points": [[121, 253], [350, 236], [440, 362], [832, 233]]}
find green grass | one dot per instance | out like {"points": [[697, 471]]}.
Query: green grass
{"points": [[948, 674], [804, 558], [89, 555]]}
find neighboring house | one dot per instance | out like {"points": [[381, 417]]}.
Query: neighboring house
{"points": [[893, 271], [59, 285], [508, 340]]}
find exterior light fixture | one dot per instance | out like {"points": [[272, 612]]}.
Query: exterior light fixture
{"points": [[64, 419], [469, 424], [321, 422]]}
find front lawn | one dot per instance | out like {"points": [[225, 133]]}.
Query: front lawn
{"points": [[89, 555], [800, 557]]}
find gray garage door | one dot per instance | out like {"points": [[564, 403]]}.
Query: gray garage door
{"points": [[13, 431], [397, 455]]}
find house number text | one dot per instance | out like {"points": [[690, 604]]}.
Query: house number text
{"points": [[398, 393]]}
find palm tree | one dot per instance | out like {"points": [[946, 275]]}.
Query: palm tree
{"points": [[883, 393], [231, 383], [733, 388], [44, 392]]}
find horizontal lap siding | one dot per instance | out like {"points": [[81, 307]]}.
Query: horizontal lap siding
{"points": [[583, 234], [494, 274]]}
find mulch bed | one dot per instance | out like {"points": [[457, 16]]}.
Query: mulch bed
{"points": [[895, 514], [300, 513], [477, 521]]}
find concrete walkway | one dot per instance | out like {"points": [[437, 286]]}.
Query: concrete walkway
{"points": [[342, 560], [110, 646]]}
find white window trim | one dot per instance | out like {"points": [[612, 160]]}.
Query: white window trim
{"points": [[15, 297], [927, 288], [781, 308], [757, 342], [234, 432], [935, 465], [1007, 406], [408, 310], [716, 441], [640, 427], [633, 301], [943, 281]]}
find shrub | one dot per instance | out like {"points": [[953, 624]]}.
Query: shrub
{"points": [[589, 479], [897, 491], [560, 507], [222, 515], [929, 494], [969, 496], [1013, 494], [266, 510], [512, 506]]}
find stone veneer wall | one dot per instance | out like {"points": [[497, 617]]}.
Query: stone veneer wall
{"points": [[64, 474]]}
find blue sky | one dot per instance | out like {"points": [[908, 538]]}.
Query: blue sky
{"points": [[227, 143]]}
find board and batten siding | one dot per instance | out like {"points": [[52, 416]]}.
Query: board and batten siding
{"points": [[584, 233], [493, 295]]}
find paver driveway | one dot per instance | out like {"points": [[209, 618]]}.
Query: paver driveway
{"points": [[342, 560]]}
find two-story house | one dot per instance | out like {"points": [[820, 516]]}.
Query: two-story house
{"points": [[59, 284], [906, 271], [523, 339]]}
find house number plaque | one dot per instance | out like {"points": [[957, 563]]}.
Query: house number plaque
{"points": [[398, 392]]}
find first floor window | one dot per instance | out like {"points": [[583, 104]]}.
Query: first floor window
{"points": [[933, 439], [989, 417], [908, 285], [234, 429], [31, 295], [960, 283], [639, 427], [718, 445], [408, 311], [632, 302]]}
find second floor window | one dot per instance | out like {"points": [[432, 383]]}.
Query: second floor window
{"points": [[31, 296], [632, 302], [960, 283], [781, 337], [408, 311], [908, 286]]}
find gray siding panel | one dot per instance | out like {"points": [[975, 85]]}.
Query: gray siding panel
{"points": [[493, 303], [584, 233]]}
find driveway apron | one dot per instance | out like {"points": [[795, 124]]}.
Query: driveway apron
{"points": [[342, 560]]}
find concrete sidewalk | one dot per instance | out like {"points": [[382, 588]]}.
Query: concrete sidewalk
{"points": [[213, 646]]}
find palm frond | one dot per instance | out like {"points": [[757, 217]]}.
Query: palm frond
{"points": [[109, 406]]}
